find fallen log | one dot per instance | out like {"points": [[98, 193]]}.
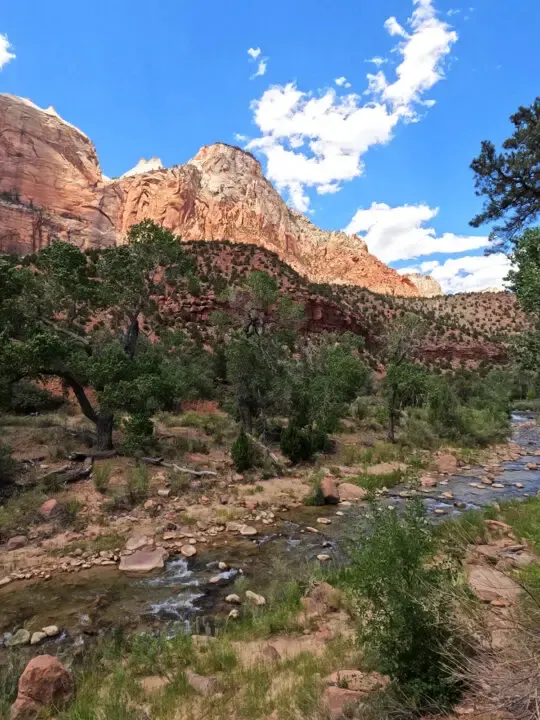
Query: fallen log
{"points": [[161, 463], [68, 474], [79, 456]]}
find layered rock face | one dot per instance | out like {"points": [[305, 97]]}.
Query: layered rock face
{"points": [[427, 286], [51, 185]]}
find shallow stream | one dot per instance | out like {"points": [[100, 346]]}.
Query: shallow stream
{"points": [[98, 600]]}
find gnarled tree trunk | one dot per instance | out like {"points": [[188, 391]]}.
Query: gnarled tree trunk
{"points": [[104, 429]]}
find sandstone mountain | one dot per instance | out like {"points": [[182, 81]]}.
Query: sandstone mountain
{"points": [[427, 286], [51, 185]]}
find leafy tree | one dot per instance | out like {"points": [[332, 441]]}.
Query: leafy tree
{"points": [[524, 278], [77, 316], [404, 382], [510, 180]]}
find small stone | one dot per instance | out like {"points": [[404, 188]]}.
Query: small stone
{"points": [[21, 637], [234, 614], [164, 492], [323, 557], [532, 466], [440, 511], [247, 530], [448, 495], [519, 485], [311, 530], [254, 598], [204, 500], [17, 542], [323, 521], [188, 550], [339, 513], [51, 630], [4, 581], [214, 580], [168, 536], [233, 599], [497, 485], [37, 637], [345, 503], [223, 565]]}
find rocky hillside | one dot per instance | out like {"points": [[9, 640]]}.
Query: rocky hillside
{"points": [[51, 185], [427, 285]]}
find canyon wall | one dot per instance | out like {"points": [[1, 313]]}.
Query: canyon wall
{"points": [[51, 185]]}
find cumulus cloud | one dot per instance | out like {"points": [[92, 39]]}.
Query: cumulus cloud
{"points": [[342, 82], [5, 51], [317, 140], [262, 64], [402, 233], [470, 273]]}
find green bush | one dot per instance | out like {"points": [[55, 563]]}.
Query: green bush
{"points": [[138, 484], [138, 434], [7, 467], [296, 443], [242, 452], [402, 593], [25, 397]]}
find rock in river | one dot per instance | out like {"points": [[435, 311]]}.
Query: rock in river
{"points": [[143, 561], [21, 637], [255, 599]]}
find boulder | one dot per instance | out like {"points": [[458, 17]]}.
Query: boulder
{"points": [[329, 491], [140, 542], [17, 542], [349, 492], [143, 561], [247, 530], [200, 683], [255, 599], [44, 682], [337, 700], [188, 550], [362, 682], [48, 509], [37, 637], [446, 463], [21, 637], [489, 584]]}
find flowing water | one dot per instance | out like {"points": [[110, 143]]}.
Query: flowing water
{"points": [[101, 599]]}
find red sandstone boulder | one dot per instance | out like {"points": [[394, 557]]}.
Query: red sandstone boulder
{"points": [[329, 490], [349, 491], [48, 508], [45, 681]]}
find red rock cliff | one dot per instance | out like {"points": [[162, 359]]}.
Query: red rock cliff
{"points": [[51, 185]]}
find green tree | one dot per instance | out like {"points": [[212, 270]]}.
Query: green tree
{"points": [[510, 180], [404, 383], [524, 278], [77, 316]]}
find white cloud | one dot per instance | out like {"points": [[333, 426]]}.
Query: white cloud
{"points": [[317, 140], [239, 137], [5, 51], [470, 273], [377, 60], [254, 55], [453, 11], [400, 233], [342, 82], [261, 68]]}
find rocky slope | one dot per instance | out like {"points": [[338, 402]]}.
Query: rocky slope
{"points": [[51, 185]]}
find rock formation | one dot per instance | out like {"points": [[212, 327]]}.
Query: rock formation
{"points": [[51, 185], [427, 285]]}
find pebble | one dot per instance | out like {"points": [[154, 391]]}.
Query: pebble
{"points": [[440, 511], [233, 599], [223, 565], [345, 503], [323, 521], [234, 614], [51, 630], [214, 580], [311, 529], [497, 485], [323, 557], [247, 530], [448, 495], [339, 513], [21, 637], [164, 492]]}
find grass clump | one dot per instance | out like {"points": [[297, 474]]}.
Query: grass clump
{"points": [[372, 482], [20, 511], [138, 484], [102, 476]]}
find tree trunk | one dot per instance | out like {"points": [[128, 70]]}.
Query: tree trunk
{"points": [[104, 428], [391, 427]]}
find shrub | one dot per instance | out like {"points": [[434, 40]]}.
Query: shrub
{"points": [[69, 511], [25, 397], [138, 433], [401, 590], [102, 476], [296, 443], [242, 452], [7, 467], [138, 484]]}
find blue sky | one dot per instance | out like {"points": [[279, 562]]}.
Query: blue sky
{"points": [[384, 152]]}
